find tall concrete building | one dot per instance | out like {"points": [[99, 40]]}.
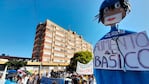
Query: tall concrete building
{"points": [[54, 44]]}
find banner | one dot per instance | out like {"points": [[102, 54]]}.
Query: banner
{"points": [[130, 52], [2, 79], [45, 80], [85, 69]]}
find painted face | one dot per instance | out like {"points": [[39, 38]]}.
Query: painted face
{"points": [[113, 12]]}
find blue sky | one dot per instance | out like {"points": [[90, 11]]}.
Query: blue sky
{"points": [[19, 18]]}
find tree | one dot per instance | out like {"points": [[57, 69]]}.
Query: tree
{"points": [[15, 64], [82, 56]]}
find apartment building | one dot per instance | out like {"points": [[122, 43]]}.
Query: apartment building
{"points": [[54, 44]]}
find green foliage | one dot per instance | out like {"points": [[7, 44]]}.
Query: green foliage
{"points": [[15, 64], [82, 56]]}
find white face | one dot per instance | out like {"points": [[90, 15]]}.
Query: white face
{"points": [[116, 18], [113, 14]]}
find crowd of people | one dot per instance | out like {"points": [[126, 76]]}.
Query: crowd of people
{"points": [[83, 79], [35, 78], [20, 78], [74, 78]]}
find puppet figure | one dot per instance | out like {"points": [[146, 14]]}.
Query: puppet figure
{"points": [[113, 11]]}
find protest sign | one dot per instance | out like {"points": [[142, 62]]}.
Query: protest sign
{"points": [[85, 69], [129, 51]]}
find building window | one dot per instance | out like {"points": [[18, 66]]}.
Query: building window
{"points": [[47, 46], [46, 59], [48, 40], [53, 26], [47, 53], [59, 55]]}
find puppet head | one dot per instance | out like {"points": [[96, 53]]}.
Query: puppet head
{"points": [[113, 11]]}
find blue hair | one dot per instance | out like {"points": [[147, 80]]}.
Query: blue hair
{"points": [[107, 3]]}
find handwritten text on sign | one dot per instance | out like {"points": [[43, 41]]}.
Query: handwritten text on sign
{"points": [[85, 69], [134, 53]]}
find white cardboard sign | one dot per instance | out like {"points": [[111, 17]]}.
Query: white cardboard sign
{"points": [[85, 69], [130, 52]]}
